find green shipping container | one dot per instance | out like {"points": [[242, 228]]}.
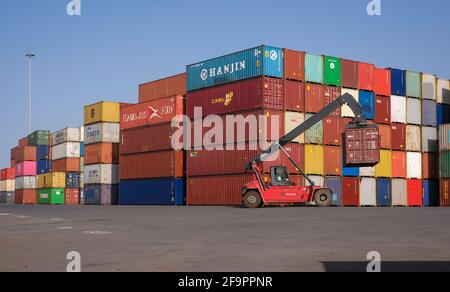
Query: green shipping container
{"points": [[51, 196], [413, 84], [39, 138], [444, 164], [314, 68], [315, 134], [332, 71]]}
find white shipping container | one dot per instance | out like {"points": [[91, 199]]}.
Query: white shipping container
{"points": [[367, 171], [429, 86], [399, 192], [414, 165], [368, 192], [429, 140], [443, 91], [292, 121], [81, 134], [82, 179], [101, 174], [66, 150], [66, 135], [26, 183], [444, 137], [413, 138], [346, 111], [7, 186], [318, 180], [398, 109], [102, 132], [414, 111]]}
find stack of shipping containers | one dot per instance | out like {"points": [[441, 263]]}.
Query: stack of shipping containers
{"points": [[151, 169], [7, 185], [443, 117], [101, 153]]}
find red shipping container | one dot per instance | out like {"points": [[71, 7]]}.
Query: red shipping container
{"points": [[362, 146], [26, 197], [171, 86], [444, 192], [13, 153], [294, 65], [399, 164], [314, 98], [154, 112], [147, 139], [415, 193], [333, 160], [385, 137], [349, 74], [256, 93], [350, 191], [333, 128], [101, 153], [294, 96], [8, 174], [331, 94], [72, 196], [152, 165], [382, 110], [221, 190], [13, 164], [366, 77], [383, 82], [23, 142], [26, 153], [66, 165], [429, 166], [398, 132]]}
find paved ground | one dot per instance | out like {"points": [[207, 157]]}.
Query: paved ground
{"points": [[37, 238]]}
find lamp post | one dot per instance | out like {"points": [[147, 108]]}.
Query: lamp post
{"points": [[30, 57]]}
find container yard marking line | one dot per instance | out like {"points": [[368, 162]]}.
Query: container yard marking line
{"points": [[56, 219], [64, 228], [97, 232], [5, 214]]}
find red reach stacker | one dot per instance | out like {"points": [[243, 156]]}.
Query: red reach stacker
{"points": [[281, 191]]}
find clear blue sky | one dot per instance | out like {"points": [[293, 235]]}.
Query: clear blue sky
{"points": [[117, 44]]}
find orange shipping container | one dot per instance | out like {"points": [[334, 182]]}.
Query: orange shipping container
{"points": [[398, 164], [333, 160], [152, 165], [66, 165], [101, 153], [26, 153], [26, 197], [385, 137], [171, 86], [429, 166]]}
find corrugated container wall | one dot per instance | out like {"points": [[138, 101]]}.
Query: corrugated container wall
{"points": [[293, 120], [413, 138], [368, 192], [366, 79], [398, 132], [332, 71], [349, 74], [315, 134], [171, 86], [443, 91], [429, 113], [414, 165], [429, 86], [398, 109], [399, 192], [294, 65], [399, 164], [384, 197], [165, 191], [413, 84], [430, 193], [350, 191], [382, 82], [398, 82], [314, 98], [367, 101], [346, 110], [382, 110], [444, 137], [294, 96], [335, 184], [414, 111], [102, 112], [314, 68]]}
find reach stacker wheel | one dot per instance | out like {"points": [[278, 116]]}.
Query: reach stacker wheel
{"points": [[252, 199], [323, 198]]}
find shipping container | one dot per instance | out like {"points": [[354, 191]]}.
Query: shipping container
{"points": [[51, 196], [350, 191], [66, 165], [362, 146], [314, 159], [294, 96], [367, 171], [398, 82], [382, 85], [333, 127], [444, 192], [72, 180], [52, 180], [414, 165], [399, 164], [429, 113], [444, 137], [367, 102], [291, 121], [147, 139], [429, 166], [26, 168], [27, 153], [384, 192], [318, 180], [26, 183], [368, 192], [260, 61], [332, 71], [415, 193], [102, 112], [7, 185], [67, 135], [398, 132], [399, 192], [23, 142], [66, 150], [151, 165], [294, 65], [349, 74], [398, 109], [103, 194], [101, 153], [225, 190], [7, 198], [414, 111], [366, 80], [429, 83], [385, 137], [382, 110], [25, 197], [314, 68], [443, 91], [413, 138], [444, 164], [314, 135], [102, 132], [413, 84], [164, 191], [334, 183], [102, 174], [72, 196], [39, 138], [170, 86], [42, 152], [443, 114], [332, 160], [43, 166], [314, 97], [346, 110], [430, 193], [350, 171], [384, 168], [331, 94], [8, 174]]}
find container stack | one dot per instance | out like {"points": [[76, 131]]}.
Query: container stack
{"points": [[444, 164], [7, 185], [101, 153]]}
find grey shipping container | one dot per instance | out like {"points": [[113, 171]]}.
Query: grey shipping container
{"points": [[444, 137], [429, 140], [414, 111], [6, 197], [429, 113], [101, 195], [335, 184], [399, 192]]}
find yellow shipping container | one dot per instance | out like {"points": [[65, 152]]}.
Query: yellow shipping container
{"points": [[314, 159], [102, 112], [52, 180], [384, 168], [292, 121]]}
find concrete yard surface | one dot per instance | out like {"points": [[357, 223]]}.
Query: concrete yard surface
{"points": [[217, 239]]}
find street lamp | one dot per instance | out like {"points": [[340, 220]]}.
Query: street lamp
{"points": [[30, 57]]}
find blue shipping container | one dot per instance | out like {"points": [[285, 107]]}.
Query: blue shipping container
{"points": [[335, 184], [43, 166], [101, 195], [42, 152], [349, 171], [429, 113], [384, 197], [398, 82], [431, 193], [443, 114], [260, 61], [164, 191], [82, 149], [367, 101], [72, 180]]}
